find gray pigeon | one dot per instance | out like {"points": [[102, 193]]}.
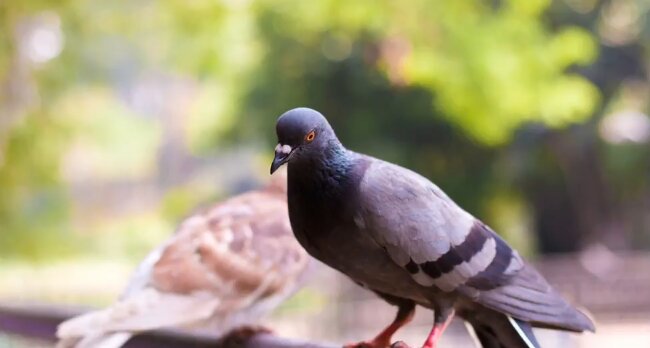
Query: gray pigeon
{"points": [[394, 232]]}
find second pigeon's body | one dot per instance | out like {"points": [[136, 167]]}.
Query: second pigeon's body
{"points": [[396, 233], [225, 266]]}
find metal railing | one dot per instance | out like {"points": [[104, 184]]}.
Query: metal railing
{"points": [[40, 321]]}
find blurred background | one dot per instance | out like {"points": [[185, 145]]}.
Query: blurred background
{"points": [[119, 118]]}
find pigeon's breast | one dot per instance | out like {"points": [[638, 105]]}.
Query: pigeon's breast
{"points": [[323, 203], [329, 232]]}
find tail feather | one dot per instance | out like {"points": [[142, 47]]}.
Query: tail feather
{"points": [[113, 326], [497, 330], [530, 298], [525, 332], [97, 340]]}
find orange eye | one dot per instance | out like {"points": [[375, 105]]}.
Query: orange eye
{"points": [[310, 136]]}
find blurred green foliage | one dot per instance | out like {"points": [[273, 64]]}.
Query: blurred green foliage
{"points": [[496, 101], [33, 205], [490, 68]]}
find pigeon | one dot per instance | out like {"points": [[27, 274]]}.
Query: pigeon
{"points": [[397, 234], [224, 267]]}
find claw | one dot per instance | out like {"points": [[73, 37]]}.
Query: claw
{"points": [[240, 335], [400, 344], [375, 344], [368, 344]]}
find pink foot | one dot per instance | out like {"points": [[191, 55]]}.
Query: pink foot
{"points": [[238, 336], [368, 344]]}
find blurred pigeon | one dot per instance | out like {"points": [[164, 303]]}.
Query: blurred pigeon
{"points": [[397, 234], [224, 267]]}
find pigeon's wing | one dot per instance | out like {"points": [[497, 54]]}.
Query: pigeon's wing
{"points": [[240, 250], [224, 266], [425, 232], [443, 246]]}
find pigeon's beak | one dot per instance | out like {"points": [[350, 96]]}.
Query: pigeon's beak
{"points": [[282, 154]]}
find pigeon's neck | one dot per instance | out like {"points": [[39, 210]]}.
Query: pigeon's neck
{"points": [[327, 171], [336, 162]]}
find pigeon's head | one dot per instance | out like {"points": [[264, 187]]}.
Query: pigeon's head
{"points": [[301, 132]]}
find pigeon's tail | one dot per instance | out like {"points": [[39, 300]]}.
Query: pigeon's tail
{"points": [[529, 297], [146, 310], [496, 330], [98, 340], [87, 330]]}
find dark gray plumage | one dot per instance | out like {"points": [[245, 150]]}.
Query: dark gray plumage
{"points": [[398, 234]]}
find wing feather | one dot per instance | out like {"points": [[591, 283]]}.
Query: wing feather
{"points": [[444, 245]]}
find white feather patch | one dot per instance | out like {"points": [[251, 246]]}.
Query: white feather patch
{"points": [[284, 149], [462, 225], [521, 332], [422, 278]]}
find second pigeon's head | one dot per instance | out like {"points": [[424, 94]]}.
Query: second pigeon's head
{"points": [[301, 131]]}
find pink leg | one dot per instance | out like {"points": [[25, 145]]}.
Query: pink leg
{"points": [[442, 320], [404, 316]]}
